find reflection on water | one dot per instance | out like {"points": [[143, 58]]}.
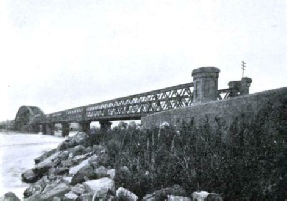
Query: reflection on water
{"points": [[17, 154]]}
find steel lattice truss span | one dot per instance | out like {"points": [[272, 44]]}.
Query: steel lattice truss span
{"points": [[126, 108], [129, 108]]}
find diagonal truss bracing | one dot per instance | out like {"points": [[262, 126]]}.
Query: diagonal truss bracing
{"points": [[130, 107]]}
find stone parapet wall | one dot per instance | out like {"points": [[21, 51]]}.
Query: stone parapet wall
{"points": [[225, 112]]}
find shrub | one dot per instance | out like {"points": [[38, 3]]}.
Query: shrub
{"points": [[250, 164]]}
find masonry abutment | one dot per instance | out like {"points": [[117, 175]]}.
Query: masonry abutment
{"points": [[85, 126], [105, 125], [205, 81]]}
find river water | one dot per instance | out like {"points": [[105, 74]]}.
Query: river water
{"points": [[17, 154]]}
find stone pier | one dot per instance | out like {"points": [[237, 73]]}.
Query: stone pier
{"points": [[51, 128], [65, 128], [105, 125], [43, 129], [85, 126], [35, 128]]}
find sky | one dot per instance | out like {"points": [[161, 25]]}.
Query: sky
{"points": [[60, 54]]}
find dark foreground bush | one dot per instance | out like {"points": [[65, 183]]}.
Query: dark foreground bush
{"points": [[249, 164]]}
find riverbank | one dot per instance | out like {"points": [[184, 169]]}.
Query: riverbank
{"points": [[17, 154], [93, 167], [163, 163]]}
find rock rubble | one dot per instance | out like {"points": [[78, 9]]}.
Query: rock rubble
{"points": [[76, 171]]}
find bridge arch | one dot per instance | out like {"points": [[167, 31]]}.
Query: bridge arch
{"points": [[25, 116]]}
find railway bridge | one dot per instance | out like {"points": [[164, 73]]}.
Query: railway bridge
{"points": [[203, 88]]}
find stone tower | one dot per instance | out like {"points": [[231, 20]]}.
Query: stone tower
{"points": [[205, 80], [241, 87]]}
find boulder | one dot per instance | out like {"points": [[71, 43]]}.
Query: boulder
{"points": [[86, 197], [63, 155], [9, 197], [44, 156], [53, 157], [124, 194], [100, 186], [77, 150], [149, 197], [68, 180], [43, 167], [29, 176], [94, 160], [85, 173], [79, 139], [213, 197], [67, 163], [59, 171], [89, 149], [163, 194], [64, 145], [79, 158], [199, 195], [111, 173], [177, 198], [37, 187], [70, 196], [35, 197], [56, 199], [78, 189], [57, 189], [76, 168], [101, 172]]}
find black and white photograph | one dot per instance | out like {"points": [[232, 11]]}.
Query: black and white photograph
{"points": [[153, 100]]}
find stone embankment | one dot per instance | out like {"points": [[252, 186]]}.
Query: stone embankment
{"points": [[76, 171]]}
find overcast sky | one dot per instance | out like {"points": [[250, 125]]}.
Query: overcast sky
{"points": [[59, 54]]}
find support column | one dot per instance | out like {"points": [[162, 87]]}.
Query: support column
{"points": [[85, 126], [51, 129], [43, 129], [205, 80], [65, 129], [105, 125], [35, 128]]}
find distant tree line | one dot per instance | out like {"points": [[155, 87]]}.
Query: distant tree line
{"points": [[7, 125]]}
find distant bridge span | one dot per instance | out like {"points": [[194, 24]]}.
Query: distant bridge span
{"points": [[134, 107]]}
